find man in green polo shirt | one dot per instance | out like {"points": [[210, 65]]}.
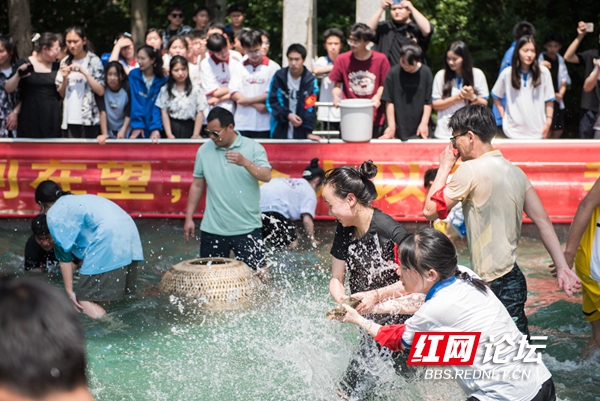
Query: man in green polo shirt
{"points": [[231, 166]]}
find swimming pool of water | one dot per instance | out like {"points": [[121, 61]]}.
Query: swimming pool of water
{"points": [[281, 347]]}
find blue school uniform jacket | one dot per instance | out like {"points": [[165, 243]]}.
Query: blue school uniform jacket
{"points": [[278, 104], [144, 113]]}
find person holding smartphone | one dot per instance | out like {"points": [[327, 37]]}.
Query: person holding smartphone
{"points": [[590, 100], [40, 102], [407, 25]]}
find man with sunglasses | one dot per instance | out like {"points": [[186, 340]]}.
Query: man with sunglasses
{"points": [[231, 166], [494, 194], [176, 26]]}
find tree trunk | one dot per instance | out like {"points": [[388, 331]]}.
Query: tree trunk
{"points": [[218, 10], [19, 25], [139, 21]]}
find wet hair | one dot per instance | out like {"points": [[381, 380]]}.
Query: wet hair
{"points": [[536, 73], [429, 176], [553, 37], [350, 180], [154, 54], [46, 39], [39, 226], [174, 39], [313, 171], [10, 46], [235, 8], [79, 31], [461, 50], [428, 249], [216, 43], [333, 32], [476, 118], [361, 31], [171, 81], [412, 53], [523, 28], [199, 9], [48, 191], [175, 7], [296, 48], [224, 116], [120, 72], [250, 39], [42, 343]]}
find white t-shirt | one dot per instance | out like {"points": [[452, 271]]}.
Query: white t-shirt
{"points": [[525, 112], [443, 116], [216, 74], [75, 91], [294, 87], [7, 72], [457, 306], [292, 197], [326, 94], [252, 81]]}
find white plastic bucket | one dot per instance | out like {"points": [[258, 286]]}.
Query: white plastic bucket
{"points": [[357, 120]]}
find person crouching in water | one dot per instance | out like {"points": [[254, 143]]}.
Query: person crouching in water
{"points": [[457, 300], [284, 200], [98, 231]]}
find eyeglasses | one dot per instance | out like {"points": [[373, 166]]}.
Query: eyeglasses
{"points": [[352, 41], [254, 52], [212, 133], [454, 137], [177, 15]]}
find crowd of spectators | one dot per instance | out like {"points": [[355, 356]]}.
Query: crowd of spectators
{"points": [[166, 87]]}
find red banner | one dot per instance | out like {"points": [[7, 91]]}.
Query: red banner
{"points": [[152, 180]]}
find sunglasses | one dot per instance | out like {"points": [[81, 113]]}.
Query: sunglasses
{"points": [[212, 133], [177, 15]]}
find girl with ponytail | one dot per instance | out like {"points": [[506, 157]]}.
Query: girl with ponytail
{"points": [[458, 301], [363, 249]]}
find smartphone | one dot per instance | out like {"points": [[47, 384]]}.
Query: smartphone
{"points": [[396, 2], [26, 71], [589, 27]]}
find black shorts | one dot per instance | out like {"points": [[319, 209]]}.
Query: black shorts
{"points": [[109, 286], [249, 248], [278, 230]]}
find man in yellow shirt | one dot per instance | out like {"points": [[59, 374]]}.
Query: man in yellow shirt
{"points": [[494, 194]]}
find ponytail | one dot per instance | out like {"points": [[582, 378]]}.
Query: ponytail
{"points": [[474, 281]]}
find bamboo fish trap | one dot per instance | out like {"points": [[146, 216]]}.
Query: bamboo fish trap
{"points": [[219, 283]]}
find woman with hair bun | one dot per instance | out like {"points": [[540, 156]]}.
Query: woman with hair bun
{"points": [[363, 248], [40, 108], [457, 300], [283, 200]]}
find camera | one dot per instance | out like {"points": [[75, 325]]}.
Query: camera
{"points": [[26, 71]]}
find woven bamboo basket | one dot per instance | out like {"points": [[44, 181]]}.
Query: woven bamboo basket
{"points": [[218, 283]]}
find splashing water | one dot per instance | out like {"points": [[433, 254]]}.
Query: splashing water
{"points": [[280, 347]]}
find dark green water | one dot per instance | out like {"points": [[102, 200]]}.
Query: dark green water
{"points": [[153, 347]]}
